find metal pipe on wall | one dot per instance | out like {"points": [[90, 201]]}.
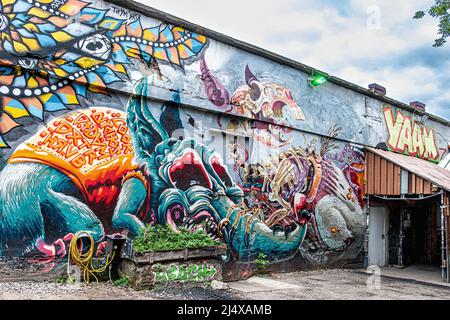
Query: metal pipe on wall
{"points": [[444, 256], [400, 240], [445, 209], [366, 242], [446, 249]]}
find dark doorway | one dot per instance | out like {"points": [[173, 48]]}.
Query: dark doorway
{"points": [[414, 233]]}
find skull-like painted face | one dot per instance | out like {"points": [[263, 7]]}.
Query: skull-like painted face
{"points": [[295, 175], [194, 177], [263, 99]]}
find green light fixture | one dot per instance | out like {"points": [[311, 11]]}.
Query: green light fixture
{"points": [[318, 79]]}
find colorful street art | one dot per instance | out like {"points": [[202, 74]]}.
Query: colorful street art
{"points": [[305, 187], [54, 52], [83, 145], [410, 138], [254, 100], [352, 163], [103, 170], [81, 155], [90, 182]]}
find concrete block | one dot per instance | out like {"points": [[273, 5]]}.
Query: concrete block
{"points": [[218, 285]]}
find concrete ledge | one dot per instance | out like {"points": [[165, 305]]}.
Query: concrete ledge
{"points": [[409, 279]]}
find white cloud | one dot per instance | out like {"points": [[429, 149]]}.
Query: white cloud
{"points": [[400, 84]]}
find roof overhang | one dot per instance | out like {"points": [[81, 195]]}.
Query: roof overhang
{"points": [[426, 170]]}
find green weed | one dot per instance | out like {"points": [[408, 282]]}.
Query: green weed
{"points": [[261, 261], [163, 238]]}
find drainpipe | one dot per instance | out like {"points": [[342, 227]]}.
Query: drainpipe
{"points": [[400, 240], [444, 248], [366, 242]]}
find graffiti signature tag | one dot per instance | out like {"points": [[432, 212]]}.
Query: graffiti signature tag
{"points": [[125, 13]]}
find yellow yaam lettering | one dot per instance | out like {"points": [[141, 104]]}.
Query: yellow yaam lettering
{"points": [[429, 140], [394, 127], [418, 145], [405, 143], [407, 137]]}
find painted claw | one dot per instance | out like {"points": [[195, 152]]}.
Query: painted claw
{"points": [[56, 249], [101, 249]]}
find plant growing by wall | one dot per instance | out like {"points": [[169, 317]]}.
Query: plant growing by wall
{"points": [[62, 279], [163, 238], [122, 282], [262, 262]]}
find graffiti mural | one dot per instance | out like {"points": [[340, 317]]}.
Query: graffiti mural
{"points": [[352, 163], [111, 121], [81, 160], [303, 186], [256, 99], [91, 182], [48, 61], [410, 138]]}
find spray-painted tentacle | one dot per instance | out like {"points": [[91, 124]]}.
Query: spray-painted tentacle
{"points": [[215, 90]]}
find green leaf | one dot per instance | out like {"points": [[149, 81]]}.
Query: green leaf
{"points": [[440, 11], [419, 15]]}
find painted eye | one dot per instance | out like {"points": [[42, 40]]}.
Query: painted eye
{"points": [[177, 214], [28, 63], [334, 230], [97, 45], [255, 92]]}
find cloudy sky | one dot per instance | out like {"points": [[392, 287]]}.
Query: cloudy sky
{"points": [[362, 41]]}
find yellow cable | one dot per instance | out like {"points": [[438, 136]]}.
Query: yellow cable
{"points": [[84, 260]]}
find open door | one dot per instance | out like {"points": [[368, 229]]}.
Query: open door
{"points": [[378, 244]]}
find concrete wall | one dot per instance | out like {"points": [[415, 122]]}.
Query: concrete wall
{"points": [[112, 120]]}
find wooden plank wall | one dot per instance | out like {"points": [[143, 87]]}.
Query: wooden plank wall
{"points": [[383, 178]]}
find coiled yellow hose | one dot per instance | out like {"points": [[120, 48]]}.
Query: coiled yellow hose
{"points": [[84, 260]]}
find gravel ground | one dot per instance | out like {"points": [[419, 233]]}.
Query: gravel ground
{"points": [[316, 285], [104, 291]]}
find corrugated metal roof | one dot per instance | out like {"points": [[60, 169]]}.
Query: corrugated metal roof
{"points": [[445, 163], [421, 168]]}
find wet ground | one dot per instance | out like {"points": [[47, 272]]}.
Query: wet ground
{"points": [[316, 285]]}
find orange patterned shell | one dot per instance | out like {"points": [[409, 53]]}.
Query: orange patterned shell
{"points": [[91, 146]]}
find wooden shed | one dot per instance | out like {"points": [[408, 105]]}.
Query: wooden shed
{"points": [[408, 210]]}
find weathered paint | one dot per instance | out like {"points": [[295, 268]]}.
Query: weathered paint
{"points": [[114, 120], [184, 273]]}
